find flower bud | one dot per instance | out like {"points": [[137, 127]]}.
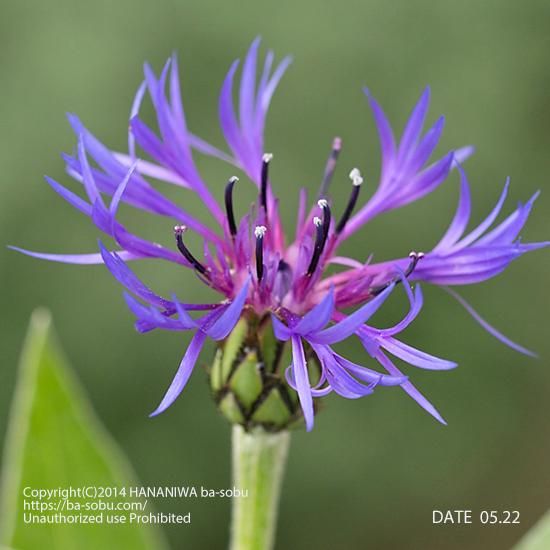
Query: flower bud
{"points": [[248, 381]]}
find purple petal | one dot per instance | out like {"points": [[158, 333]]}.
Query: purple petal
{"points": [[471, 265], [150, 143], [87, 177], [318, 317], [414, 126], [264, 80], [104, 221], [315, 392], [299, 369], [345, 328], [227, 321], [79, 259], [369, 375], [489, 328], [113, 169], [410, 389], [414, 356], [385, 135], [340, 380], [207, 149], [415, 301], [425, 148], [430, 178], [156, 319], [136, 104], [461, 217], [70, 197], [183, 373], [265, 94], [173, 140], [281, 331], [228, 121], [509, 229], [175, 94], [94, 147], [126, 277], [117, 195], [152, 170], [301, 216], [488, 221], [462, 154], [181, 310], [247, 100]]}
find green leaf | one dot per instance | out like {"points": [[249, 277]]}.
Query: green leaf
{"points": [[55, 440], [538, 537]]}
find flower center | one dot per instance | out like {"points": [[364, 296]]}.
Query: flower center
{"points": [[285, 276]]}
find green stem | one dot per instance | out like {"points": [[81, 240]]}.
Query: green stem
{"points": [[259, 461]]}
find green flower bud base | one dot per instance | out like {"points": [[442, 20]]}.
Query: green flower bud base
{"points": [[248, 382]]}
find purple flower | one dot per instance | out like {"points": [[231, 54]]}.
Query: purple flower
{"points": [[246, 257]]}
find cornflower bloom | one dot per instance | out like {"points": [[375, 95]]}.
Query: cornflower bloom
{"points": [[274, 289]]}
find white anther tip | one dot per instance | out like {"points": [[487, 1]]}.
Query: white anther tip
{"points": [[179, 229], [317, 221], [322, 203], [260, 231], [267, 157], [355, 177], [233, 179]]}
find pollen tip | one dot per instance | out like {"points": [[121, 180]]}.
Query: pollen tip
{"points": [[317, 221], [413, 254], [420, 255], [267, 157], [322, 203], [355, 177], [337, 143], [260, 231], [179, 229], [233, 179]]}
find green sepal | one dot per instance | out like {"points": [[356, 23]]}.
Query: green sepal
{"points": [[246, 383], [227, 355], [273, 410], [230, 409], [268, 346], [216, 378]]}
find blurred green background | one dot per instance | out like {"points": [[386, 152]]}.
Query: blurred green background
{"points": [[372, 470]]}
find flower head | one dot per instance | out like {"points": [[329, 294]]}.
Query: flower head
{"points": [[262, 276]]}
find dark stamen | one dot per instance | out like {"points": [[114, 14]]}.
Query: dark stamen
{"points": [[415, 258], [178, 232], [229, 205], [259, 233], [322, 229], [356, 180], [266, 159], [318, 247], [330, 167], [323, 204], [283, 266]]}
